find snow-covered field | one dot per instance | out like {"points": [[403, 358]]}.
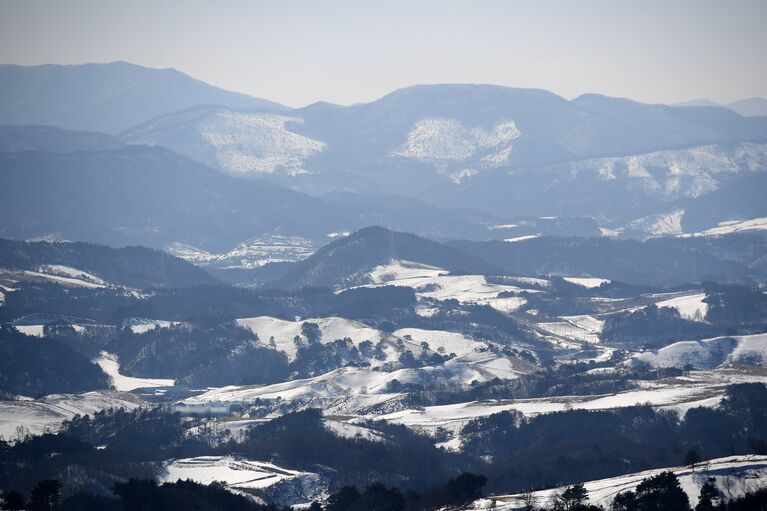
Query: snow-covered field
{"points": [[438, 139], [249, 254], [735, 476], [111, 367], [571, 330], [587, 281], [352, 390], [700, 388], [246, 143], [675, 173], [729, 227], [283, 333], [65, 281], [144, 325], [709, 353], [46, 414], [437, 283], [237, 473], [689, 306], [34, 324]]}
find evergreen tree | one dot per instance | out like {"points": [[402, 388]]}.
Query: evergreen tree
{"points": [[45, 495], [709, 496]]}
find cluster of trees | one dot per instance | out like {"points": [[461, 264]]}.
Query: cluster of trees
{"points": [[458, 491], [32, 368], [736, 307], [301, 440], [653, 327], [513, 451], [579, 445], [134, 495], [661, 492]]}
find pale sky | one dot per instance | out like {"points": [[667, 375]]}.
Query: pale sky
{"points": [[299, 52]]}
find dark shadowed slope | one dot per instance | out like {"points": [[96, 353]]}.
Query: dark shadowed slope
{"points": [[348, 260], [137, 267]]}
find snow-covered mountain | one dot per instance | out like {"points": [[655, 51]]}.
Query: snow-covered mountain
{"points": [[505, 151]]}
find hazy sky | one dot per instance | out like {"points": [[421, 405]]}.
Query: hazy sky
{"points": [[298, 52]]}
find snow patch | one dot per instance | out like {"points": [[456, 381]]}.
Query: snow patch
{"points": [[109, 364]]}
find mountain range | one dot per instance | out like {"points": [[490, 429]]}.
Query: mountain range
{"points": [[446, 161]]}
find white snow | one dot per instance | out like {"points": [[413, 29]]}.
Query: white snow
{"points": [[675, 173], [144, 325], [46, 414], [522, 238], [257, 142], [586, 322], [65, 281], [587, 281], [347, 430], [32, 330], [241, 474], [351, 390], [732, 226], [284, 332], [666, 224], [437, 283], [700, 388], [68, 271], [689, 306], [439, 139], [571, 330], [111, 367], [735, 475], [252, 253], [709, 353]]}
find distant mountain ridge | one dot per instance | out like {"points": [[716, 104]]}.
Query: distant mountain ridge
{"points": [[104, 97], [498, 153], [448, 145], [747, 107]]}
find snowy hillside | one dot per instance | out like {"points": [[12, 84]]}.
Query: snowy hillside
{"points": [[261, 479], [709, 353], [735, 475], [38, 416], [111, 367], [249, 254], [437, 283]]}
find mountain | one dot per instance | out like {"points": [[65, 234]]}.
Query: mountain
{"points": [[655, 262], [504, 151], [749, 107], [136, 267], [697, 102], [139, 195], [104, 97], [348, 261], [147, 196], [54, 140]]}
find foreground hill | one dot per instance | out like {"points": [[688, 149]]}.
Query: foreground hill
{"points": [[104, 97], [349, 260]]}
